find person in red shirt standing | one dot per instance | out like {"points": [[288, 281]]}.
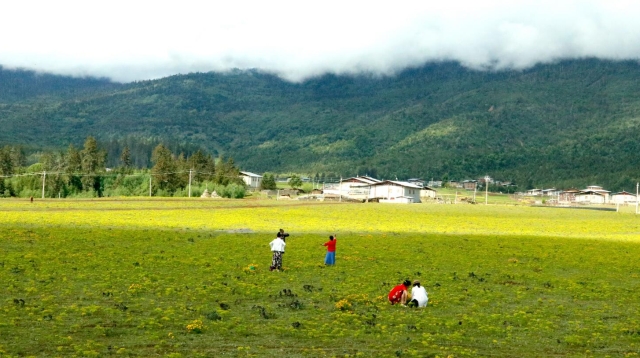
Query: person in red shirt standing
{"points": [[330, 259], [399, 294]]}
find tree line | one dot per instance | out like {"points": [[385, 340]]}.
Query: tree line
{"points": [[82, 172]]}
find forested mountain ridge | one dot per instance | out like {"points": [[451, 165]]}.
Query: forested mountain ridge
{"points": [[567, 124]]}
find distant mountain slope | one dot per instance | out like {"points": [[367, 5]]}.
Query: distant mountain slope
{"points": [[567, 124], [21, 85]]}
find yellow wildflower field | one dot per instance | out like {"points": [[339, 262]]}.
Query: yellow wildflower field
{"points": [[191, 278], [264, 216]]}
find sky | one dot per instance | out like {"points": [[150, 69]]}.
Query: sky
{"points": [[297, 40]]}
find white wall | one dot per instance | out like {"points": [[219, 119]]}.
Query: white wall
{"points": [[623, 199], [388, 191], [252, 182], [590, 198]]}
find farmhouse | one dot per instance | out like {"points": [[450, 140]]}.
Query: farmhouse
{"points": [[593, 195], [543, 192], [391, 191], [252, 180], [623, 198], [551, 192], [416, 181], [534, 192], [355, 188], [568, 196], [435, 183], [470, 184], [455, 184], [427, 192]]}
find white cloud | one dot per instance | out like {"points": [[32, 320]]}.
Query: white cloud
{"points": [[133, 40]]}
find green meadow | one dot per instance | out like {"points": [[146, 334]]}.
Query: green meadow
{"points": [[189, 278]]}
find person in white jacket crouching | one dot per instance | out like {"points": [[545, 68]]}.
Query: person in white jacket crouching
{"points": [[419, 296]]}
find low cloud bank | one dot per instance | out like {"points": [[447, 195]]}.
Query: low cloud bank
{"points": [[297, 41]]}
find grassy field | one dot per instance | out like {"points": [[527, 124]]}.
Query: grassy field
{"points": [[190, 278]]}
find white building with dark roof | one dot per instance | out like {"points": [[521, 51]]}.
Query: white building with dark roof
{"points": [[354, 188], [593, 194], [392, 191], [623, 198], [251, 179]]}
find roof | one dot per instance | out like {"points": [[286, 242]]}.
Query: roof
{"points": [[363, 179], [624, 193], [398, 183], [568, 191], [591, 192], [250, 174], [595, 188]]}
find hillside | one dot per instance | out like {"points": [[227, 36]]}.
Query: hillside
{"points": [[568, 124]]}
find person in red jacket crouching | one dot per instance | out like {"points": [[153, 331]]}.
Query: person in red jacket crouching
{"points": [[330, 259], [399, 294]]}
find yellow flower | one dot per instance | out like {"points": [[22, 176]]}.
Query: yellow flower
{"points": [[195, 327]]}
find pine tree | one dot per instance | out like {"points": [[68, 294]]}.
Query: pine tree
{"points": [[74, 167], [164, 168], [6, 163], [125, 158], [268, 182], [18, 158], [199, 162], [92, 164], [6, 167]]}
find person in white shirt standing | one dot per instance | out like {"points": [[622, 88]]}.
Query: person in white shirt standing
{"points": [[419, 296], [277, 247]]}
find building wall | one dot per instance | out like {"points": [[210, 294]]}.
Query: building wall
{"points": [[393, 191], [623, 199], [567, 197], [427, 193], [252, 182], [590, 198]]}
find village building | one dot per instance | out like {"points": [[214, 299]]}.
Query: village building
{"points": [[391, 191], [551, 192], [427, 193], [590, 197], [416, 181], [470, 184], [455, 184], [568, 196], [252, 180], [435, 184], [623, 198], [534, 192], [354, 188], [593, 195]]}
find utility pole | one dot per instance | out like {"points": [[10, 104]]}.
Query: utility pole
{"points": [[190, 170], [486, 190], [637, 185], [44, 176], [340, 190], [150, 176]]}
